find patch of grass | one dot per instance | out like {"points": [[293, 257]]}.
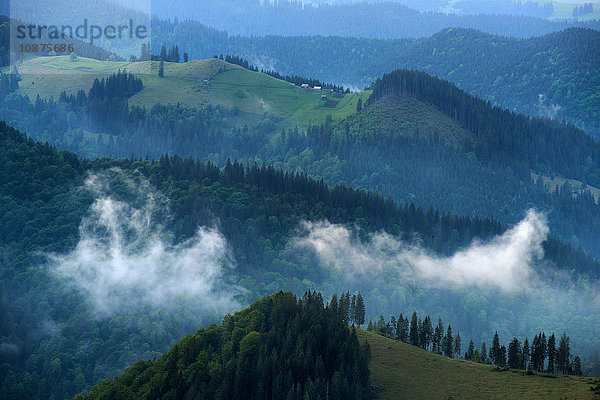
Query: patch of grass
{"points": [[194, 83], [407, 117], [401, 371], [555, 182]]}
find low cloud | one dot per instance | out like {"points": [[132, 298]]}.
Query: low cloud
{"points": [[505, 262], [125, 258], [545, 110]]}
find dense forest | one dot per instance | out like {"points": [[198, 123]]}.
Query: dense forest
{"points": [[281, 347], [553, 75], [432, 153], [57, 346]]}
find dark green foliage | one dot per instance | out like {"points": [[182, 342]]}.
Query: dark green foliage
{"points": [[484, 354], [526, 355], [280, 345], [430, 168], [414, 330], [359, 310], [551, 354], [295, 79], [539, 351], [470, 353], [457, 345], [577, 366], [499, 134], [563, 355], [259, 209], [437, 338], [448, 343], [495, 352], [515, 354]]}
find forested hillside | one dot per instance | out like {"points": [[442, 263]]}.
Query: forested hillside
{"points": [[279, 348], [432, 136], [60, 338]]}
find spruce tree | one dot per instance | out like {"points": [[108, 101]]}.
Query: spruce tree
{"points": [[526, 354], [577, 366], [563, 355], [457, 345], [514, 354], [470, 354], [448, 343], [360, 310], [551, 354], [484, 354], [495, 355], [414, 330], [352, 311]]}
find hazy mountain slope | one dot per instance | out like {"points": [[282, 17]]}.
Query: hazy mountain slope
{"points": [[432, 149], [554, 75], [85, 292], [385, 20]]}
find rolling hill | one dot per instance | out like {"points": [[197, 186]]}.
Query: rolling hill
{"points": [[194, 84], [429, 142], [511, 73], [64, 339], [400, 370], [232, 360]]}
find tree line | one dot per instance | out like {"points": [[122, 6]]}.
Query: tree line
{"points": [[524, 356], [295, 79]]}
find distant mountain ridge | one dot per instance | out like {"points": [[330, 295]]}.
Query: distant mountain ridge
{"points": [[383, 20], [555, 75]]}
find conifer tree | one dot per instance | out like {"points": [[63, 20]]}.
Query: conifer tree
{"points": [[551, 354], [414, 330], [352, 311], [526, 354], [577, 366], [563, 354], [359, 310], [514, 354], [495, 355], [448, 343], [457, 345], [484, 353], [437, 337], [470, 353]]}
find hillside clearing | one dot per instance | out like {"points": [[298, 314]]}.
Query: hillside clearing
{"points": [[403, 371]]}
